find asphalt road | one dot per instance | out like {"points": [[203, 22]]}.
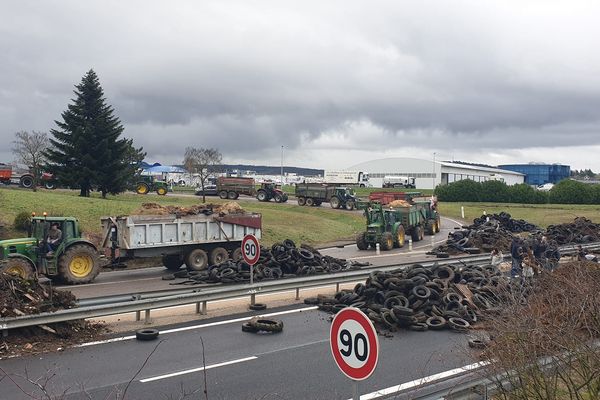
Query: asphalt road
{"points": [[295, 364], [110, 283]]}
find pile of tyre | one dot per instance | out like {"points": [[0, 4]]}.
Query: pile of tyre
{"points": [[421, 298], [581, 230], [281, 259], [505, 221]]}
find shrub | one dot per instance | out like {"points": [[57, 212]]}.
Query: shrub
{"points": [[22, 221], [464, 190], [571, 192], [494, 191]]}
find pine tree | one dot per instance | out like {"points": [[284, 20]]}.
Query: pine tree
{"points": [[87, 151]]}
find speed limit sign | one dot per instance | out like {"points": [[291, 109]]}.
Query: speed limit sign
{"points": [[250, 249], [354, 344]]}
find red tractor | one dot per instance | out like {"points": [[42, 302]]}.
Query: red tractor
{"points": [[24, 177]]}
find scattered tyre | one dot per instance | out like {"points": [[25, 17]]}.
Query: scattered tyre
{"points": [[246, 327], [172, 262], [267, 325], [146, 334], [257, 306]]}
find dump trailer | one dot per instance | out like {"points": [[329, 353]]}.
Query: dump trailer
{"points": [[194, 240], [315, 194], [24, 178], [390, 226], [232, 188]]}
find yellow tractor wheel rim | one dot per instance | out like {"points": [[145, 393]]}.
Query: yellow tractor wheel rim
{"points": [[16, 270], [81, 266], [401, 238], [161, 191], [141, 189]]}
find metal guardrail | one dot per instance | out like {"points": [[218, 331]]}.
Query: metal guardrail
{"points": [[201, 297]]}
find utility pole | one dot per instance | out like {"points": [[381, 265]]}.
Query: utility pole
{"points": [[281, 167]]}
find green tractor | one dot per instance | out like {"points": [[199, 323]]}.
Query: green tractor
{"points": [[147, 184], [74, 261], [343, 197], [390, 226]]}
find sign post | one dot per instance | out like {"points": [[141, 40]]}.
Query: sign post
{"points": [[354, 345], [251, 254]]}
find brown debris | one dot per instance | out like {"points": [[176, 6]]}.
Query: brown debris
{"points": [[399, 203], [207, 209]]}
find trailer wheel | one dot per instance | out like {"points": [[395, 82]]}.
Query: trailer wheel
{"points": [[172, 262], [310, 202], [232, 195], [218, 255], [236, 254], [79, 264], [17, 266], [361, 241], [262, 196], [223, 194], [26, 181], [387, 241], [400, 237], [335, 202], [196, 260], [301, 201], [350, 205]]}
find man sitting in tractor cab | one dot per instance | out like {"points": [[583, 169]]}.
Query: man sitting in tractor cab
{"points": [[53, 239]]}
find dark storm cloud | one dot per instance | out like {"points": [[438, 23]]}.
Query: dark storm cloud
{"points": [[249, 78]]}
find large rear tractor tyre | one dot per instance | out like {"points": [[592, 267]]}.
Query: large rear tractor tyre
{"points": [[361, 241], [79, 264], [223, 194], [387, 241], [26, 181], [218, 255], [417, 233], [172, 262], [161, 191], [301, 201], [350, 205], [17, 266], [262, 196], [310, 202], [400, 237], [438, 224], [196, 260], [142, 188], [335, 202]]}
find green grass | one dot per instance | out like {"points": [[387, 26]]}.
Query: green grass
{"points": [[539, 214], [312, 225]]}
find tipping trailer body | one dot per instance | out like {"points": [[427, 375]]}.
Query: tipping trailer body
{"points": [[192, 239], [231, 188]]}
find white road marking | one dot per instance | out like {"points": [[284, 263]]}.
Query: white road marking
{"points": [[189, 328], [423, 381], [190, 371]]}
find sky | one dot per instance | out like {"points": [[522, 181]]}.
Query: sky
{"points": [[321, 84]]}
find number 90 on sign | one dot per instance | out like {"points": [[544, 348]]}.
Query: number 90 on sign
{"points": [[250, 249], [353, 344]]}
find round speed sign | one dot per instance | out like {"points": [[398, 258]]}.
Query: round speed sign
{"points": [[354, 343], [250, 249]]}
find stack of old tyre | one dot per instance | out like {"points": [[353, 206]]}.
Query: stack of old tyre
{"points": [[283, 258], [581, 230], [421, 298], [505, 221]]}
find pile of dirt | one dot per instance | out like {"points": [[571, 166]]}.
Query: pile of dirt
{"points": [[399, 203], [581, 230], [26, 297], [206, 209]]}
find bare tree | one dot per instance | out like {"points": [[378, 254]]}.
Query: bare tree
{"points": [[203, 162], [29, 149]]}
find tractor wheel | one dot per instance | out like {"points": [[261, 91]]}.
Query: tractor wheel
{"points": [[278, 198], [417, 233], [262, 196], [301, 201], [50, 185], [17, 266], [438, 224], [284, 198], [172, 262], [142, 188], [430, 227], [387, 241], [161, 191], [400, 237], [335, 202], [236, 254], [26, 181], [361, 241], [350, 205], [196, 260], [79, 264], [310, 202], [223, 194], [218, 255]]}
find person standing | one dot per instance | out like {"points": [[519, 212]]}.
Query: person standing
{"points": [[516, 253]]}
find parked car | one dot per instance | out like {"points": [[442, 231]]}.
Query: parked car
{"points": [[209, 190]]}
